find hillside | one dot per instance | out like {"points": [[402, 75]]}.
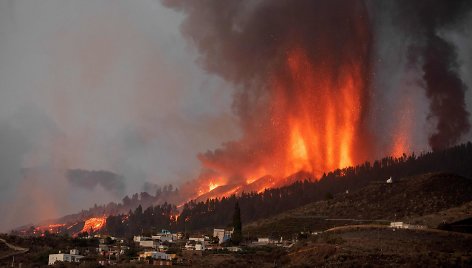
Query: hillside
{"points": [[382, 247], [405, 199], [301, 189]]}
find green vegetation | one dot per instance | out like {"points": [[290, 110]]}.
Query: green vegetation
{"points": [[212, 213], [237, 236]]}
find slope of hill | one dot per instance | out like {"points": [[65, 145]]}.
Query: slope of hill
{"points": [[406, 199], [451, 215], [382, 247], [301, 189]]}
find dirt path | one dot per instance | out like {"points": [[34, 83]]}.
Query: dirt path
{"points": [[376, 226], [19, 250]]}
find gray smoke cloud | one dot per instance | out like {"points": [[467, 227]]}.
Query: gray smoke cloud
{"points": [[107, 85], [416, 92], [90, 179], [423, 21]]}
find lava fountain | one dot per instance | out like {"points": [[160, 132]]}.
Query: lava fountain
{"points": [[321, 122], [302, 73]]}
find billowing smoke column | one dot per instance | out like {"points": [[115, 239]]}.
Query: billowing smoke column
{"points": [[424, 21], [302, 72]]}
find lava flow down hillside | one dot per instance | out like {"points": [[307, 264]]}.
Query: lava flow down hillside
{"points": [[304, 75]]}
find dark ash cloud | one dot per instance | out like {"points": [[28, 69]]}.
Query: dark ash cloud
{"points": [[424, 21], [90, 179]]}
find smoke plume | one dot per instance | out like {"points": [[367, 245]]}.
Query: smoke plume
{"points": [[299, 68], [424, 22], [304, 73], [90, 179]]}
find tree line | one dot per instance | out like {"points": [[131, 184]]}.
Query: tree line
{"points": [[213, 213]]}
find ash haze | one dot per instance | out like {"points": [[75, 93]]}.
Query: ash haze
{"points": [[99, 98], [98, 86]]}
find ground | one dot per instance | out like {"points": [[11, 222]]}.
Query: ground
{"points": [[354, 246]]}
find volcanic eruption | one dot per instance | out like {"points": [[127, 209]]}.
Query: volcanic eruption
{"points": [[303, 72]]}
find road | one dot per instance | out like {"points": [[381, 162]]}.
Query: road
{"points": [[19, 250]]}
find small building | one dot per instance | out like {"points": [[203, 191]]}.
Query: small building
{"points": [[222, 234], [163, 248], [398, 225], [402, 225], [63, 257], [234, 249], [107, 262], [141, 238], [102, 248], [262, 240], [197, 239], [165, 235], [190, 245], [149, 244], [200, 246]]}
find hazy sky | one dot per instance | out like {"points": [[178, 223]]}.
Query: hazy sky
{"points": [[99, 85]]}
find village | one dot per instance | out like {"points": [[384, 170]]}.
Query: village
{"points": [[164, 248]]}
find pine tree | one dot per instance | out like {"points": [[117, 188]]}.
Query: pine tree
{"points": [[237, 235]]}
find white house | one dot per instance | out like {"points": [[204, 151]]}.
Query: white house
{"points": [[64, 257], [200, 246], [263, 240], [189, 245], [149, 244], [141, 238], [103, 248], [400, 225], [222, 234], [165, 237], [234, 249], [266, 241], [197, 239]]}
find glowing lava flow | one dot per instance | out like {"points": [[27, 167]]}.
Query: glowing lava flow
{"points": [[52, 228], [94, 224]]}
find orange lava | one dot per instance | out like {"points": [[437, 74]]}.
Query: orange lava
{"points": [[212, 185], [317, 129], [52, 228], [94, 224], [323, 126]]}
